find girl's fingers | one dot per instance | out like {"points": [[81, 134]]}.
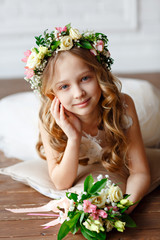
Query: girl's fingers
{"points": [[62, 113], [59, 113], [55, 108], [69, 114], [53, 105]]}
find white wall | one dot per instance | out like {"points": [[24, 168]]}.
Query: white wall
{"points": [[133, 28]]}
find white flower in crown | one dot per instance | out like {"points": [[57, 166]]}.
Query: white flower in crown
{"points": [[66, 43], [33, 60], [42, 52], [36, 56], [75, 34]]}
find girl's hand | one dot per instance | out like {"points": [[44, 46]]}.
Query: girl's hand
{"points": [[67, 121]]}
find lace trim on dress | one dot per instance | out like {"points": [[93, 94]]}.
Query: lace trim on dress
{"points": [[93, 138], [91, 149], [92, 146]]}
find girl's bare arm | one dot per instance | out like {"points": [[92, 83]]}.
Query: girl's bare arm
{"points": [[138, 181], [64, 173]]}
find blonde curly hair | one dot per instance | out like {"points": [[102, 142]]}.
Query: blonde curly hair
{"points": [[111, 112]]}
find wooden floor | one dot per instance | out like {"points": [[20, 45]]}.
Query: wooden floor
{"points": [[17, 195]]}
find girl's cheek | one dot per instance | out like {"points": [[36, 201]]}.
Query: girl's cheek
{"points": [[64, 98]]}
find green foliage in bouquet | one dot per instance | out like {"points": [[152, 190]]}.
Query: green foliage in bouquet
{"points": [[97, 210]]}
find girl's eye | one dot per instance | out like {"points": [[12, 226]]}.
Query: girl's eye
{"points": [[64, 86], [85, 78]]}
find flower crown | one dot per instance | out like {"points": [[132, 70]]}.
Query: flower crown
{"points": [[62, 39]]}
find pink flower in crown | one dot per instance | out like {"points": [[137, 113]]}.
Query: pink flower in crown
{"points": [[99, 45], [93, 51], [88, 207], [29, 73], [61, 29], [27, 54]]}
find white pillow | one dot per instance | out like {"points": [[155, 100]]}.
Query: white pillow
{"points": [[147, 102], [19, 125], [35, 174]]}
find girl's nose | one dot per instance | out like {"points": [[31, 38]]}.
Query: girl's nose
{"points": [[79, 92]]}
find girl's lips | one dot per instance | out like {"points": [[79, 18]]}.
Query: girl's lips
{"points": [[83, 104]]}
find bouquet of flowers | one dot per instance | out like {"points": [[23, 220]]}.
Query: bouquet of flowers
{"points": [[97, 210]]}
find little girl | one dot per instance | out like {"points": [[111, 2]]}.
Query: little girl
{"points": [[82, 103]]}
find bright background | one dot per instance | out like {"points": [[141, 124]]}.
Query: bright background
{"points": [[132, 26]]}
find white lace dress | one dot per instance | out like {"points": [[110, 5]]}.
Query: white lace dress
{"points": [[91, 147], [91, 150]]}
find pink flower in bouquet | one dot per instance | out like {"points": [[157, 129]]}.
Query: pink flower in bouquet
{"points": [[29, 73], [27, 54], [99, 213], [100, 45], [115, 208], [88, 207], [61, 29], [102, 213], [95, 216]]}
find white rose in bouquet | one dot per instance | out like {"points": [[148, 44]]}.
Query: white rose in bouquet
{"points": [[99, 201], [115, 193]]}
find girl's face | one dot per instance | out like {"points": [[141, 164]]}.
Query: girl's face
{"points": [[75, 85]]}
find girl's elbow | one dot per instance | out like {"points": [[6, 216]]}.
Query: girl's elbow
{"points": [[61, 185]]}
